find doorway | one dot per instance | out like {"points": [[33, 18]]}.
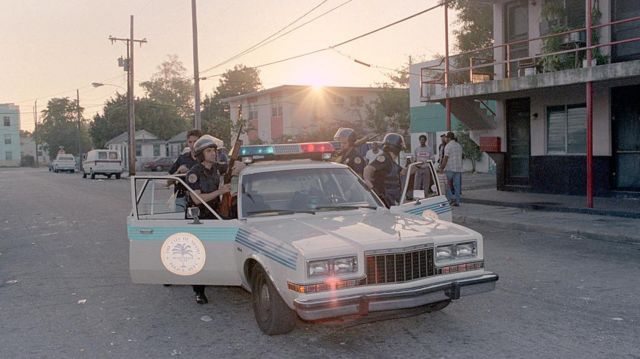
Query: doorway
{"points": [[625, 122], [518, 141]]}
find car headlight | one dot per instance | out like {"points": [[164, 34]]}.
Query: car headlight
{"points": [[332, 266], [456, 251], [444, 252]]}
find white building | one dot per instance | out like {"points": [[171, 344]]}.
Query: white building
{"points": [[148, 147], [9, 135], [287, 111]]}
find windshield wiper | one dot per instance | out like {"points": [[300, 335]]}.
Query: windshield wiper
{"points": [[346, 207], [278, 212]]}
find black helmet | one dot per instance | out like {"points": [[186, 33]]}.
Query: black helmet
{"points": [[393, 142], [345, 133], [205, 141]]}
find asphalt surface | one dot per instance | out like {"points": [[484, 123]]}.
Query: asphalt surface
{"points": [[65, 293]]}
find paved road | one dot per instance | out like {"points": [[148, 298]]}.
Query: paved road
{"points": [[65, 293]]}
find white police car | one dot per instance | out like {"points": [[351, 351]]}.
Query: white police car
{"points": [[310, 241]]}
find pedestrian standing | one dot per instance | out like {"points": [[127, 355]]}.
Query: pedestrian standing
{"points": [[452, 167], [422, 154]]}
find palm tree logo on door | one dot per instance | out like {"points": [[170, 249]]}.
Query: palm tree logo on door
{"points": [[183, 254]]}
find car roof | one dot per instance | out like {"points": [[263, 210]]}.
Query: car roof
{"points": [[273, 166]]}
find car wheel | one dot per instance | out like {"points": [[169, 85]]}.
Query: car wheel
{"points": [[73, 171], [437, 306], [272, 313], [117, 176], [93, 175], [109, 176], [159, 168], [84, 174]]}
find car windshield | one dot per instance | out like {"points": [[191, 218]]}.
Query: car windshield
{"points": [[66, 158], [308, 190]]}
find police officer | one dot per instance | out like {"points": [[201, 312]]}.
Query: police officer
{"points": [[182, 165], [383, 174], [204, 179], [348, 151]]}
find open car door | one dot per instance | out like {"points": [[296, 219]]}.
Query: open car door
{"points": [[168, 246], [429, 201]]}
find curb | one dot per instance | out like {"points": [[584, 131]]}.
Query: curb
{"points": [[502, 224], [538, 207]]}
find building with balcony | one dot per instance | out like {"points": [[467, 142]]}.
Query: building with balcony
{"points": [[277, 114], [10, 148], [537, 77]]}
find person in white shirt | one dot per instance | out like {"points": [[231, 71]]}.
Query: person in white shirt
{"points": [[373, 152], [452, 166], [422, 177]]}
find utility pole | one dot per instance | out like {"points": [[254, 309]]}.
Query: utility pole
{"points": [[79, 127], [197, 121], [35, 130], [130, 98]]}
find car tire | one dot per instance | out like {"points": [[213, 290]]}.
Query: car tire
{"points": [[159, 168], [93, 175], [84, 174], [73, 171], [117, 176], [271, 312], [437, 306], [109, 176]]}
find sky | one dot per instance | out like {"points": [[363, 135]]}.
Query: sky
{"points": [[50, 48]]}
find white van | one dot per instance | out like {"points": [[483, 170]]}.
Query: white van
{"points": [[101, 162]]}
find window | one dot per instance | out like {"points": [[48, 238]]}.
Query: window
{"points": [[566, 129], [357, 101], [276, 110], [138, 150], [7, 139], [7, 121], [156, 150], [102, 155], [337, 100], [8, 156]]}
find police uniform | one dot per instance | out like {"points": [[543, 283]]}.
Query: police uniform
{"points": [[188, 161], [386, 180], [354, 160], [206, 180]]}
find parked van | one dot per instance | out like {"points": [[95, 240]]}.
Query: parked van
{"points": [[63, 162], [101, 162]]}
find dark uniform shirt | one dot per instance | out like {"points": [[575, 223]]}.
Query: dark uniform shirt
{"points": [[354, 160], [386, 180], [207, 181], [183, 159]]}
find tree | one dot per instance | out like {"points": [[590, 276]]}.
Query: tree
{"points": [[215, 114], [470, 149], [390, 111], [60, 127], [475, 32], [113, 121], [171, 86]]}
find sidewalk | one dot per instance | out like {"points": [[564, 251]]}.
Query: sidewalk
{"points": [[611, 219]]}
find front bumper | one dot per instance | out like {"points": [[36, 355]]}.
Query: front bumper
{"points": [[362, 304]]}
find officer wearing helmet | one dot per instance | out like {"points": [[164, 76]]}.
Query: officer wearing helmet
{"points": [[384, 172], [348, 151], [204, 179]]}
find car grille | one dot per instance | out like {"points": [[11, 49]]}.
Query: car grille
{"points": [[399, 266]]}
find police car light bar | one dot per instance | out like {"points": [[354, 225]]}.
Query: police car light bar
{"points": [[309, 150]]}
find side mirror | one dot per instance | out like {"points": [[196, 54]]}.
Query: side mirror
{"points": [[194, 212]]}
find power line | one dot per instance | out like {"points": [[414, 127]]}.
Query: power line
{"points": [[63, 92], [332, 47], [255, 46]]}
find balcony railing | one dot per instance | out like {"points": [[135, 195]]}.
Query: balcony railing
{"points": [[483, 62]]}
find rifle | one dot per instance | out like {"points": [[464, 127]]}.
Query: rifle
{"points": [[227, 200]]}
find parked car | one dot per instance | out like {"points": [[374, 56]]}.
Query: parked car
{"points": [[102, 162], [160, 164], [64, 162]]}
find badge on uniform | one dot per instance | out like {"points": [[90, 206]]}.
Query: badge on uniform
{"points": [[380, 158], [192, 178], [357, 160], [346, 162]]}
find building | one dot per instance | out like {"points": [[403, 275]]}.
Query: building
{"points": [[538, 76], [285, 112], [148, 147], [28, 153], [10, 135]]}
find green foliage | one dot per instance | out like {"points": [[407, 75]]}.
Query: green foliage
{"points": [[171, 86], [60, 127], [112, 122], [475, 31], [390, 111], [470, 149], [215, 114]]}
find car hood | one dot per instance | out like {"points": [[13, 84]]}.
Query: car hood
{"points": [[336, 232]]}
